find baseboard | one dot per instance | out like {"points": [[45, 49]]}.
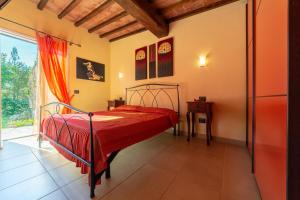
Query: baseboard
{"points": [[217, 139]]}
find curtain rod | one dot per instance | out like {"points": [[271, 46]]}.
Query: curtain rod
{"points": [[70, 42]]}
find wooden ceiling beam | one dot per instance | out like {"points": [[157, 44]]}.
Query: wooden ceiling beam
{"points": [[142, 11], [109, 21], [95, 12], [41, 5], [68, 8], [204, 8], [128, 34], [3, 3], [121, 28]]}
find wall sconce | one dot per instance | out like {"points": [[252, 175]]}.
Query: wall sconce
{"points": [[120, 75], [202, 61]]}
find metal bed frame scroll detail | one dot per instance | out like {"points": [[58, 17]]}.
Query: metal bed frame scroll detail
{"points": [[141, 90]]}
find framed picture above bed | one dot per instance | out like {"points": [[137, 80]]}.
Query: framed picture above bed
{"points": [[165, 57], [141, 63], [89, 70]]}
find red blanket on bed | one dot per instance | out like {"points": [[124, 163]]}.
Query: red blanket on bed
{"points": [[112, 130]]}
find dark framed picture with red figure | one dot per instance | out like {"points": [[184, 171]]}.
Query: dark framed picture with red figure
{"points": [[165, 57], [141, 63]]}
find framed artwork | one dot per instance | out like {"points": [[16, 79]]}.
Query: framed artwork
{"points": [[141, 63], [89, 70], [152, 61], [165, 57]]}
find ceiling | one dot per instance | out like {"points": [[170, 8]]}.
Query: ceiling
{"points": [[116, 19]]}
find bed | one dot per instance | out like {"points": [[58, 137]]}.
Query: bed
{"points": [[93, 139]]}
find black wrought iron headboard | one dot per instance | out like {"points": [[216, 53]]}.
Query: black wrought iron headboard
{"points": [[154, 90]]}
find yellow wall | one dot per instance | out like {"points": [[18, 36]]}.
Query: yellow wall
{"points": [[93, 95], [220, 33]]}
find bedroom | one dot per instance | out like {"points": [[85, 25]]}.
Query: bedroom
{"points": [[212, 44]]}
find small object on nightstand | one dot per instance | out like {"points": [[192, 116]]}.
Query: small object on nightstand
{"points": [[115, 103], [199, 106], [202, 98]]}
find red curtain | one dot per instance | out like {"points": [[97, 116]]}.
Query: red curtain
{"points": [[53, 55]]}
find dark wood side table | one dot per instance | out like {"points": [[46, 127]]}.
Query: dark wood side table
{"points": [[115, 103], [194, 107]]}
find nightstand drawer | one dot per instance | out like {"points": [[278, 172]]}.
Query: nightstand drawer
{"points": [[197, 107]]}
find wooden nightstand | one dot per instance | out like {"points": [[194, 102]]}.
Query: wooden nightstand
{"points": [[194, 107], [115, 103]]}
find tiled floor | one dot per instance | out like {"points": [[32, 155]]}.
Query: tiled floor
{"points": [[164, 168], [11, 133]]}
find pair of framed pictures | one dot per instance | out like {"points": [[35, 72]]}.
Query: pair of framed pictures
{"points": [[164, 61]]}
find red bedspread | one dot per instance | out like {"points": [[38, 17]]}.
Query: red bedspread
{"points": [[113, 130]]}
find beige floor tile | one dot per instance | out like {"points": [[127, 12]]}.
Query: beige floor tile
{"points": [[17, 161], [121, 169], [147, 183], [17, 175], [56, 195], [78, 190], [163, 167], [31, 189], [65, 174], [123, 166], [203, 170], [44, 152], [215, 148], [173, 157], [11, 149], [53, 161], [238, 182], [186, 191]]}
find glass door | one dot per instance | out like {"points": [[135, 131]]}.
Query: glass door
{"points": [[18, 86]]}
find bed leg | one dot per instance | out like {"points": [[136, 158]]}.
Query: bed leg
{"points": [[40, 141], [174, 130], [93, 185], [178, 131], [107, 172], [92, 193]]}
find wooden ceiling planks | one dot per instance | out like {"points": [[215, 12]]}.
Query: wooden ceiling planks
{"points": [[69, 8], [108, 21], [95, 12], [57, 5], [103, 16], [125, 33], [41, 4], [125, 20], [116, 19], [83, 9], [118, 29], [129, 29], [187, 8], [4, 3]]}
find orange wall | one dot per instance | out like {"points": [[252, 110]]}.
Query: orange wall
{"points": [[93, 95], [220, 34]]}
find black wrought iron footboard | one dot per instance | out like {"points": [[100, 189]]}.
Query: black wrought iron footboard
{"points": [[47, 113]]}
